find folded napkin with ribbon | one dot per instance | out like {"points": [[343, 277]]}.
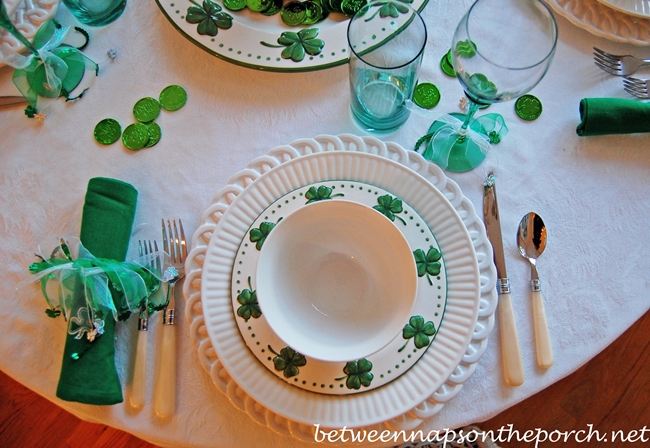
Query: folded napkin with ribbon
{"points": [[602, 116]]}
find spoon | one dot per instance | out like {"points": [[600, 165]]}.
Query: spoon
{"points": [[531, 239]]}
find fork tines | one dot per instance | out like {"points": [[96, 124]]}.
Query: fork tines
{"points": [[174, 241], [606, 61], [635, 86]]}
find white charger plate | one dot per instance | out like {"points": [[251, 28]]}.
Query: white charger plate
{"points": [[430, 404], [603, 21]]}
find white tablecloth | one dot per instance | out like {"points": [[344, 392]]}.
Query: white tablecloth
{"points": [[591, 192]]}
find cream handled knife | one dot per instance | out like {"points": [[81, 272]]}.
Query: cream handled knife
{"points": [[512, 365]]}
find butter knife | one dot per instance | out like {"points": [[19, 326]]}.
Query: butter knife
{"points": [[7, 101], [512, 365]]}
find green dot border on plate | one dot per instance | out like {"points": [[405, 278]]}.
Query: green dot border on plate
{"points": [[426, 95], [173, 97], [135, 136], [528, 107], [146, 109], [107, 131]]}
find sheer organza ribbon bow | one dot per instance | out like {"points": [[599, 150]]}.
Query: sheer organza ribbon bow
{"points": [[62, 276]]}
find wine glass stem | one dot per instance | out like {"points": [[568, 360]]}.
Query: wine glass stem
{"points": [[473, 107]]}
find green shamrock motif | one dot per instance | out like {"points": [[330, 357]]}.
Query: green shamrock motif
{"points": [[320, 194], [357, 374], [482, 84], [419, 331], [428, 264], [389, 206], [258, 236], [299, 44], [209, 17], [391, 8], [249, 305], [466, 48], [288, 360]]}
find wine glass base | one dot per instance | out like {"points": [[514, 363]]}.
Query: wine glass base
{"points": [[451, 150]]}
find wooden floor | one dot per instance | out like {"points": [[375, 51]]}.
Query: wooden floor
{"points": [[610, 393]]}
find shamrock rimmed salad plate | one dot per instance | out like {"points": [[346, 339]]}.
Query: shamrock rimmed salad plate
{"points": [[415, 331]]}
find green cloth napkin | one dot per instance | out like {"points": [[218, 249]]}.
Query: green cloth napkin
{"points": [[602, 116], [106, 223]]}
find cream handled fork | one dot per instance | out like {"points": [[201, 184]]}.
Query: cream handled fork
{"points": [[149, 255], [175, 245]]}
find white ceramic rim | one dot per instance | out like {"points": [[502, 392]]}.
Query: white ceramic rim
{"points": [[405, 392], [210, 218]]}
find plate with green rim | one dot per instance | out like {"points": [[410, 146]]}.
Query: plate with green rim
{"points": [[252, 39], [377, 369]]}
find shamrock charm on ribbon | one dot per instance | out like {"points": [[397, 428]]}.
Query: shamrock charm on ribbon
{"points": [[51, 69]]}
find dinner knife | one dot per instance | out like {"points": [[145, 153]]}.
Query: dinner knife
{"points": [[512, 365], [7, 101]]}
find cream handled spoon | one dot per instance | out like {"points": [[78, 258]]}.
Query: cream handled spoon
{"points": [[531, 239]]}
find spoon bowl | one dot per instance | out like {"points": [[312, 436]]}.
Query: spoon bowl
{"points": [[531, 240]]}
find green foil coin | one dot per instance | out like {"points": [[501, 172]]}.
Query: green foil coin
{"points": [[528, 107], [234, 5], [107, 131], [155, 133], [426, 95], [173, 97], [146, 110], [259, 5], [135, 136], [447, 65], [294, 13]]}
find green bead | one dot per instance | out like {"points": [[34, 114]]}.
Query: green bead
{"points": [[173, 97], [528, 107], [426, 95], [146, 110], [75, 356], [107, 131], [135, 136]]}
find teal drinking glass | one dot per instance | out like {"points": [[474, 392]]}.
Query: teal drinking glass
{"points": [[386, 41], [95, 12]]}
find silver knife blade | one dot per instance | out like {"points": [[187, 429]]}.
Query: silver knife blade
{"points": [[6, 101], [492, 222]]}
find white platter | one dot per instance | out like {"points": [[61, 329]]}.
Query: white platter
{"points": [[598, 19], [425, 402]]}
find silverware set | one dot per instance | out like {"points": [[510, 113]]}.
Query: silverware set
{"points": [[174, 244], [624, 66], [531, 241]]}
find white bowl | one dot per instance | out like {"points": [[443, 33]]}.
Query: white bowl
{"points": [[336, 280]]}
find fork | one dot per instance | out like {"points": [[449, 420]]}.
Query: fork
{"points": [[148, 254], [620, 65], [175, 245], [637, 87]]}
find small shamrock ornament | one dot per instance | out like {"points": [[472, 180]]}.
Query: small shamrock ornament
{"points": [[466, 48], [419, 331], [209, 16], [249, 305], [428, 264], [319, 194], [258, 236], [357, 374], [389, 206], [390, 8], [299, 44], [288, 360]]}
